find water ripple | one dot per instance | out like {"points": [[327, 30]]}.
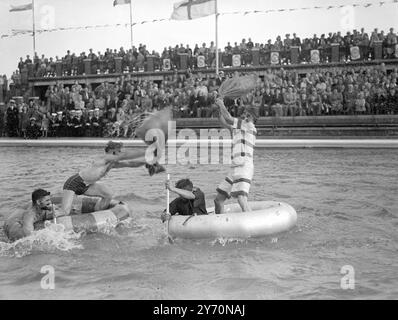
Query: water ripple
{"points": [[346, 204]]}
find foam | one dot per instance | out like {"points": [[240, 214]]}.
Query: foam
{"points": [[50, 239]]}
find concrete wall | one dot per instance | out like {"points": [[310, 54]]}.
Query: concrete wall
{"points": [[323, 126]]}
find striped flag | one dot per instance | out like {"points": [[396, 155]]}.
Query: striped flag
{"points": [[23, 7], [193, 9], [118, 2]]}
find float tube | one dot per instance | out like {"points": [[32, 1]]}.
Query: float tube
{"points": [[83, 217], [266, 218]]}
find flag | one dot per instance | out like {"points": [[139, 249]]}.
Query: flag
{"points": [[23, 7], [117, 2], [193, 9]]}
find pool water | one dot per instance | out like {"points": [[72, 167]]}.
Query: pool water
{"points": [[347, 208]]}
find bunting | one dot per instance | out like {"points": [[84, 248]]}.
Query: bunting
{"points": [[24, 7], [327, 7], [120, 2]]}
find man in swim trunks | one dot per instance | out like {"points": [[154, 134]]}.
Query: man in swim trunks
{"points": [[86, 181], [237, 184], [23, 222]]}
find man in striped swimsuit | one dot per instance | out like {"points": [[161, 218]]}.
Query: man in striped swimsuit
{"points": [[237, 184], [86, 181]]}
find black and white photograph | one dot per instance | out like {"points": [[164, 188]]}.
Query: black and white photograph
{"points": [[212, 151]]}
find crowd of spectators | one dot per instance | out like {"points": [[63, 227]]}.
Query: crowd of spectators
{"points": [[135, 59], [113, 109]]}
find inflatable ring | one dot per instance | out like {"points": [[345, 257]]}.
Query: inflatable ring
{"points": [[84, 218], [266, 218]]}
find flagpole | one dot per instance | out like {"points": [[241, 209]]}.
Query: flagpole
{"points": [[217, 66], [34, 28], [131, 24]]}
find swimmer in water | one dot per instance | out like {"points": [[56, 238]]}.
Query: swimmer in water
{"points": [[86, 181], [23, 222]]}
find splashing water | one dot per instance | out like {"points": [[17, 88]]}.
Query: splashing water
{"points": [[112, 228], [225, 241], [52, 238]]}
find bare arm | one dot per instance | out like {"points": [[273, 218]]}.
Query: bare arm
{"points": [[129, 164], [28, 219], [183, 193], [127, 155], [224, 123], [224, 112]]}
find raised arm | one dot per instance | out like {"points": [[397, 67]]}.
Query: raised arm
{"points": [[224, 123], [224, 112], [183, 193]]}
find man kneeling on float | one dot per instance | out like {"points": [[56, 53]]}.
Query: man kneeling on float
{"points": [[85, 182]]}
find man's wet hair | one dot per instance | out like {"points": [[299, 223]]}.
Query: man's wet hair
{"points": [[113, 146], [183, 183]]}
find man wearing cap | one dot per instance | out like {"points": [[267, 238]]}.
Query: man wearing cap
{"points": [[59, 125], [33, 130], [237, 184], [86, 181], [78, 124], [53, 128], [21, 223]]}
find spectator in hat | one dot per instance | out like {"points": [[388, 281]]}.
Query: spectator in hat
{"points": [[78, 124], [52, 130], [33, 130], [23, 222]]}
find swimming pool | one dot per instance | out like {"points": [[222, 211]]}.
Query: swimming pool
{"points": [[347, 216]]}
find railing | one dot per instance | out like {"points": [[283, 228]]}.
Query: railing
{"points": [[181, 62]]}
